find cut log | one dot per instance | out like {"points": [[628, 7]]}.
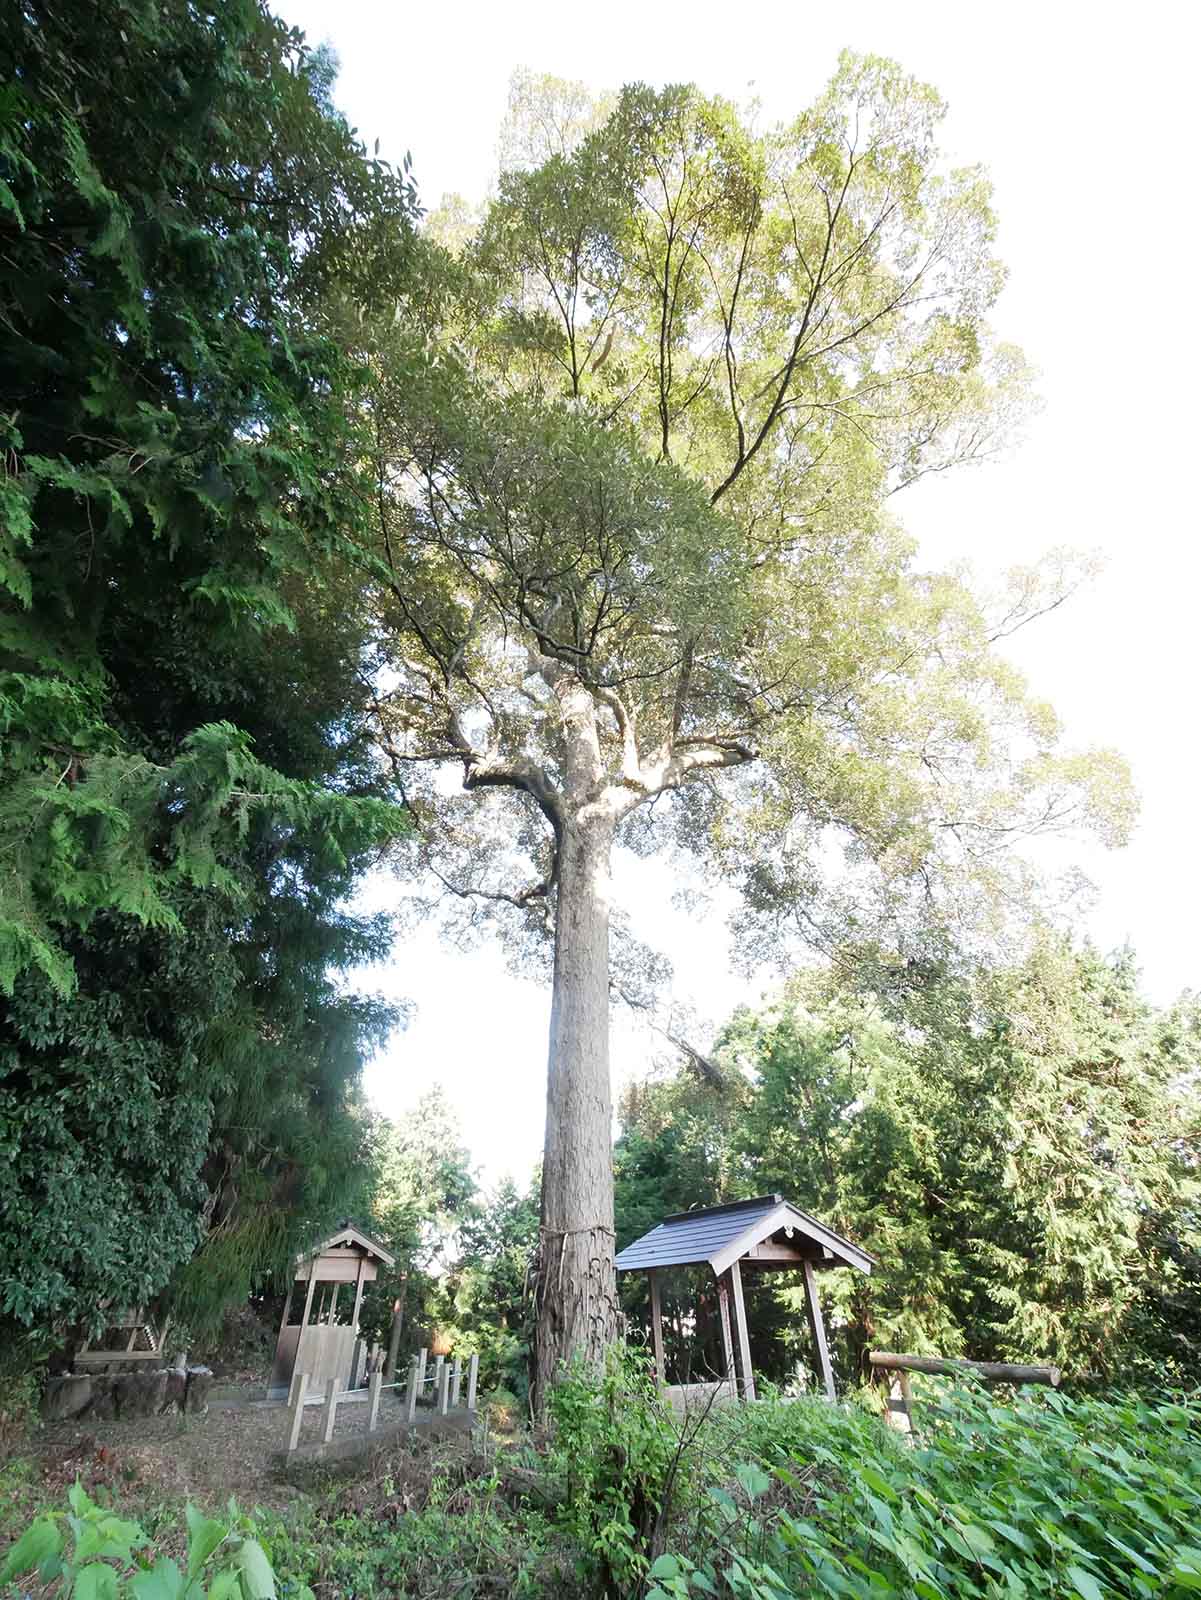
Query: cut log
{"points": [[946, 1367]]}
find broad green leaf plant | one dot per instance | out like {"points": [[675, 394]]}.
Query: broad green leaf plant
{"points": [[93, 1554]]}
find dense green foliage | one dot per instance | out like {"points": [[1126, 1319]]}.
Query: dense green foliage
{"points": [[106, 1560], [423, 1186], [485, 1306], [187, 791], [1028, 1493], [1037, 1495], [1034, 1496], [1022, 1160]]}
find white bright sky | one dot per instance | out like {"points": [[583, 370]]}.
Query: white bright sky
{"points": [[1084, 116]]}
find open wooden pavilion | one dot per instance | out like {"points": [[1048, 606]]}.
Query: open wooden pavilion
{"points": [[762, 1235], [316, 1335]]}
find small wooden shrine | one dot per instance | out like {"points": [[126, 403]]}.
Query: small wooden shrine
{"points": [[319, 1330], [767, 1234]]}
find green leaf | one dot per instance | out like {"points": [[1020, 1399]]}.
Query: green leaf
{"points": [[40, 1541], [204, 1535], [665, 1567], [98, 1581], [164, 1581], [1014, 1535], [78, 1500], [1084, 1583], [753, 1479], [258, 1579], [225, 1585]]}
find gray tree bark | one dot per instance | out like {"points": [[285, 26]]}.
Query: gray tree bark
{"points": [[576, 1280]]}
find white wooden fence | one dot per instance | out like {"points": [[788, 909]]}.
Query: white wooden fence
{"points": [[443, 1377]]}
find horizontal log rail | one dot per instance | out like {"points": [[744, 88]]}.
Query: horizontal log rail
{"points": [[946, 1367]]}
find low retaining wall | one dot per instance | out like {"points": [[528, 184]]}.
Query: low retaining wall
{"points": [[434, 1426], [76, 1395]]}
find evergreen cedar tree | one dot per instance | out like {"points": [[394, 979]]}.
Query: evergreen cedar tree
{"points": [[188, 791], [634, 464], [1019, 1152]]}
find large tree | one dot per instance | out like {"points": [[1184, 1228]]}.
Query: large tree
{"points": [[188, 788], [634, 471]]}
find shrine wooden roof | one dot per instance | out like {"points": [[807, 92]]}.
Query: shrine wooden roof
{"points": [[768, 1231]]}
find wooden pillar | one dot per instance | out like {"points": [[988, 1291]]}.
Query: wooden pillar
{"points": [[421, 1358], [473, 1373], [818, 1329], [416, 1374], [727, 1344], [308, 1299], [283, 1321], [746, 1376], [333, 1304], [657, 1327], [331, 1409], [358, 1295], [298, 1353], [443, 1383], [373, 1389], [302, 1384], [456, 1378]]}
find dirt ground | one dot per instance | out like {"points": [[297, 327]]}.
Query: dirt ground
{"points": [[236, 1449]]}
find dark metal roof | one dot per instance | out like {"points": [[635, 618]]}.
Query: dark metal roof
{"points": [[720, 1234], [692, 1236]]}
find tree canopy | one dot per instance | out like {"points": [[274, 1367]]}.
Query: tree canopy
{"points": [[188, 789], [1022, 1158]]}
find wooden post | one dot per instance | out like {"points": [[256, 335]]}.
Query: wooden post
{"points": [[439, 1363], [302, 1384], [818, 1329], [331, 1409], [415, 1370], [283, 1321], [744, 1343], [373, 1389], [443, 1382], [304, 1315], [421, 1356], [456, 1378], [657, 1328], [358, 1295], [723, 1301], [473, 1372], [333, 1304], [907, 1397]]}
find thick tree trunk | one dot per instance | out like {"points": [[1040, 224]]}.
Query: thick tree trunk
{"points": [[576, 1287]]}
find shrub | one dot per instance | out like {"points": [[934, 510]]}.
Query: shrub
{"points": [[105, 1559], [1039, 1496], [620, 1455]]}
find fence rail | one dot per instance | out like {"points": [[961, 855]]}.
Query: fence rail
{"points": [[445, 1379], [900, 1393]]}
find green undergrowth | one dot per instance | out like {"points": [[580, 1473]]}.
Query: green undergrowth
{"points": [[1002, 1496]]}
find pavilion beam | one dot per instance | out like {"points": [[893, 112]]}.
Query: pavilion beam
{"points": [[723, 1301], [657, 1326], [358, 1296], [818, 1329], [746, 1376], [308, 1299]]}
